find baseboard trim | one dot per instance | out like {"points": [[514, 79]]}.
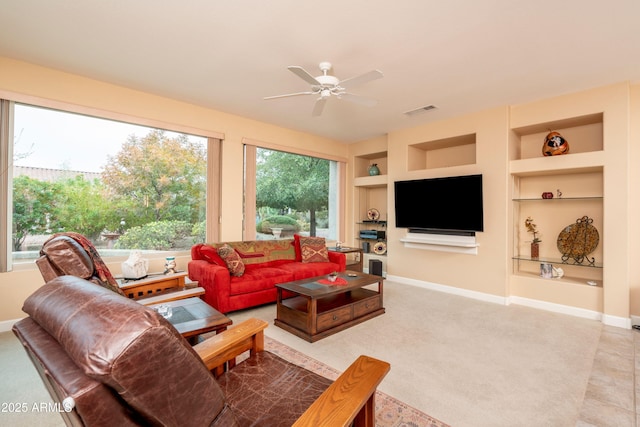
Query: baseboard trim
{"points": [[481, 296], [556, 308], [619, 322], [6, 325]]}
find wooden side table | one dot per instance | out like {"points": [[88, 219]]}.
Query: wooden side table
{"points": [[193, 317], [152, 285], [357, 263]]}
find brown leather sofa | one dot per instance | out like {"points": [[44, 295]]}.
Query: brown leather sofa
{"points": [[111, 361]]}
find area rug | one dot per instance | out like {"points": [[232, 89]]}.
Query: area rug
{"points": [[390, 412]]}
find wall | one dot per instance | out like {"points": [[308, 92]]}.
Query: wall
{"points": [[485, 272], [50, 88], [633, 219]]}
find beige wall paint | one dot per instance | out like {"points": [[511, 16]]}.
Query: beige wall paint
{"points": [[51, 88]]}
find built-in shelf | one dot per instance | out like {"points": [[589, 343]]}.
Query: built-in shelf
{"points": [[374, 181], [364, 161], [441, 242], [569, 163], [447, 152], [584, 135], [564, 280], [579, 176], [559, 262], [557, 199], [370, 192]]}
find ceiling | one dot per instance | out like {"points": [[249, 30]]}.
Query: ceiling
{"points": [[459, 55]]}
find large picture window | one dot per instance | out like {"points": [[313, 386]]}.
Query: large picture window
{"points": [[122, 185], [294, 193]]}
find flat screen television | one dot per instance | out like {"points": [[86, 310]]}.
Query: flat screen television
{"points": [[451, 205]]}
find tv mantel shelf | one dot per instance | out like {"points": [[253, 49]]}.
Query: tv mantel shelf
{"points": [[441, 242]]}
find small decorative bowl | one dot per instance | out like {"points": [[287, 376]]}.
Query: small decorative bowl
{"points": [[332, 277]]}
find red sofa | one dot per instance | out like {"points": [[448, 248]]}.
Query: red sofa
{"points": [[266, 263]]}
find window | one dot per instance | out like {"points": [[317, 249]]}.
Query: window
{"points": [[294, 193], [124, 186]]}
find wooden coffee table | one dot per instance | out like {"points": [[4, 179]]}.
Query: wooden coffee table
{"points": [[318, 310], [193, 317]]}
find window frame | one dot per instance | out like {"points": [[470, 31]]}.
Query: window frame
{"points": [[250, 155], [7, 102]]}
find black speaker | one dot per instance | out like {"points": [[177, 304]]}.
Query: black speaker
{"points": [[365, 247], [375, 267]]}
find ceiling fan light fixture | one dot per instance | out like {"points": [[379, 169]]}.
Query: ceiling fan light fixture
{"points": [[420, 110], [327, 85], [328, 80]]}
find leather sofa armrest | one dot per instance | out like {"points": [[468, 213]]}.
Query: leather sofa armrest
{"points": [[226, 346], [350, 399]]}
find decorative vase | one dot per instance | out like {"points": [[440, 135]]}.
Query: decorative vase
{"points": [[276, 232], [374, 170], [554, 145], [535, 250]]}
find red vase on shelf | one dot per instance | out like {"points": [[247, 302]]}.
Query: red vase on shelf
{"points": [[535, 250]]}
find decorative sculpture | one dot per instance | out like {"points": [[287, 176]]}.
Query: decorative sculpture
{"points": [[578, 240], [554, 144]]}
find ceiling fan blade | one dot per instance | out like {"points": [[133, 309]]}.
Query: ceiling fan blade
{"points": [[369, 102], [363, 78], [319, 106], [304, 75], [289, 94]]}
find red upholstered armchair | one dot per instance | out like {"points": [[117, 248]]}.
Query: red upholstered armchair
{"points": [[110, 361]]}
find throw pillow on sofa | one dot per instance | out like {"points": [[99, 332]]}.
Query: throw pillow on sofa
{"points": [[313, 249], [296, 247], [211, 254], [232, 259]]}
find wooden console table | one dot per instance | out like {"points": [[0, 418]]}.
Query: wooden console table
{"points": [[319, 310]]}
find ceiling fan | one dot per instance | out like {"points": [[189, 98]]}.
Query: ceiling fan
{"points": [[327, 85]]}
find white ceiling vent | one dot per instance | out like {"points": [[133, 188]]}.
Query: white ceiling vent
{"points": [[420, 110]]}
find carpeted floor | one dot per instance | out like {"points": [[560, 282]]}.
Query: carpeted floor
{"points": [[466, 362], [461, 361]]}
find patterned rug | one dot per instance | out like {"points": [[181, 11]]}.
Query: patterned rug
{"points": [[390, 412]]}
